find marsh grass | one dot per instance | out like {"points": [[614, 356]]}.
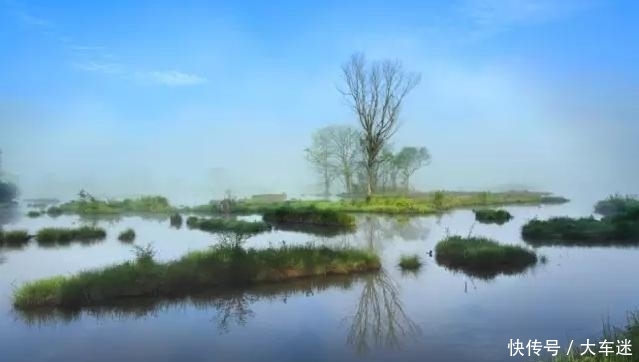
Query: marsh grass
{"points": [[482, 257], [54, 211], [34, 213], [225, 224], [199, 271], [489, 216], [620, 229], [14, 238], [64, 236], [611, 334], [410, 262], [127, 236], [144, 204], [616, 205], [414, 203]]}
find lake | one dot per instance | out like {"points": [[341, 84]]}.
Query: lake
{"points": [[434, 314]]}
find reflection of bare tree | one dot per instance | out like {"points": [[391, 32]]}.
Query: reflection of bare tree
{"points": [[233, 310], [380, 319], [376, 230], [410, 228]]}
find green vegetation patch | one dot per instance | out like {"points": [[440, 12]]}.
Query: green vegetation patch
{"points": [[483, 257], [176, 220], [616, 205], [629, 335], [34, 213], [622, 229], [195, 272], [225, 224], [127, 235], [144, 204], [64, 236], [488, 216], [309, 216], [410, 262], [14, 238]]}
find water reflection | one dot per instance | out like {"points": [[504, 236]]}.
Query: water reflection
{"points": [[9, 214], [380, 319]]}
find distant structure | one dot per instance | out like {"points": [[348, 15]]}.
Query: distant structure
{"points": [[269, 197]]}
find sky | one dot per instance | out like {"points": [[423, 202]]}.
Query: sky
{"points": [[190, 98]]}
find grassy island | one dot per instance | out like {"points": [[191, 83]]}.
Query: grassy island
{"points": [[311, 220], [64, 236], [127, 236], [410, 262], [616, 205], [14, 238], [222, 266], [225, 224], [489, 216], [482, 257], [92, 206], [619, 229], [414, 203]]}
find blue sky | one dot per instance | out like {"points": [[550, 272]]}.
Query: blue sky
{"points": [[147, 95]]}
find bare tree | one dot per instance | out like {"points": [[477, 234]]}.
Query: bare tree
{"points": [[409, 160], [345, 147], [320, 157], [375, 92]]}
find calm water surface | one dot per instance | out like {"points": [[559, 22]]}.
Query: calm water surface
{"points": [[433, 315]]}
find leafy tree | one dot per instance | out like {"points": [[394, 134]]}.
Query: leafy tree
{"points": [[320, 156], [409, 160], [375, 92]]}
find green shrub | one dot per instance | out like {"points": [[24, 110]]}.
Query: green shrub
{"points": [[616, 205], [488, 216], [127, 235], [410, 262], [482, 257]]}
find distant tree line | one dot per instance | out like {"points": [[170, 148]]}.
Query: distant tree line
{"points": [[362, 157], [8, 190]]}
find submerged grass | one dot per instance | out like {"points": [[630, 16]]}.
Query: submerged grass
{"points": [[62, 236], [127, 235], [224, 224], [195, 272], [410, 262], [483, 257], [620, 229], [489, 216]]}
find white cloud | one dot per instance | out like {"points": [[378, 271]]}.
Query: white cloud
{"points": [[173, 78], [105, 68]]}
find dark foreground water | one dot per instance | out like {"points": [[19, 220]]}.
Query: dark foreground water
{"points": [[433, 315]]}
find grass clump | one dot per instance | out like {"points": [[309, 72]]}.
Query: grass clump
{"points": [[224, 224], [218, 267], [621, 229], [489, 216], [127, 235], [310, 219], [34, 213], [616, 205], [63, 236], [54, 211], [14, 238], [410, 262], [176, 220], [629, 333], [483, 257]]}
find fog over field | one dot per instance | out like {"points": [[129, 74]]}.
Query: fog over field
{"points": [[510, 97]]}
